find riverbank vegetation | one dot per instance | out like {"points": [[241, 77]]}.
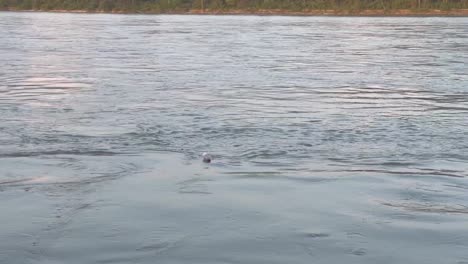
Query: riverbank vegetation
{"points": [[226, 6]]}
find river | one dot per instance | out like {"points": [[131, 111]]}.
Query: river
{"points": [[334, 139]]}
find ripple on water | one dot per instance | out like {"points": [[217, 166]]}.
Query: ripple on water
{"points": [[40, 90], [352, 131]]}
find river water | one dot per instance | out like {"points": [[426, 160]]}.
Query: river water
{"points": [[335, 139]]}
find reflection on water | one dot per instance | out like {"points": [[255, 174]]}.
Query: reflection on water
{"points": [[335, 140], [39, 92]]}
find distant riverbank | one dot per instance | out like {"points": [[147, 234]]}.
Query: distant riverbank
{"points": [[368, 12], [275, 12]]}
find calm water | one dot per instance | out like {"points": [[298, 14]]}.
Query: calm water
{"points": [[336, 140]]}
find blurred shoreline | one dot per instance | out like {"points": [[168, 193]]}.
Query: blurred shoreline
{"points": [[282, 12]]}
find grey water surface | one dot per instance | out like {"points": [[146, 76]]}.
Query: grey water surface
{"points": [[335, 139]]}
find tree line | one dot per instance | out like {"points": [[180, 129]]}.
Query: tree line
{"points": [[162, 6]]}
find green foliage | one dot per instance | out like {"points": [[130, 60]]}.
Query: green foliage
{"points": [[160, 6]]}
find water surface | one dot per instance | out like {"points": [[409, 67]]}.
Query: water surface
{"points": [[336, 140]]}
